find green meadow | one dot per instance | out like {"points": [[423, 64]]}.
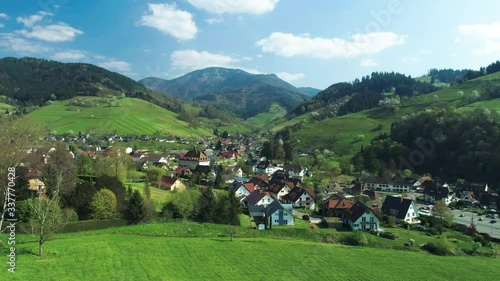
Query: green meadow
{"points": [[127, 116], [189, 251]]}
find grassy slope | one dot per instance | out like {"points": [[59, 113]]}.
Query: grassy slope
{"points": [[149, 252], [339, 133], [238, 126], [264, 119], [132, 116]]}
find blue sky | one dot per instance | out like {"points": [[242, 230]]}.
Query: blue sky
{"points": [[308, 43]]}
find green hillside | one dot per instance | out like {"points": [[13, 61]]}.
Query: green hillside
{"points": [[175, 251], [346, 134], [264, 119], [121, 116]]}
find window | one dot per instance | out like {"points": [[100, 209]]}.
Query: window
{"points": [[276, 221], [308, 198], [285, 221], [363, 219], [372, 219]]}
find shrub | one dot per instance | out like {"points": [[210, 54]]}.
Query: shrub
{"points": [[389, 235], [305, 217], [356, 238], [104, 205]]}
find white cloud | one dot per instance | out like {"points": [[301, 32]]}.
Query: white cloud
{"points": [[31, 20], [170, 20], [410, 59], [192, 60], [1, 25], [368, 63], [214, 20], [289, 45], [453, 55], [290, 77], [256, 7], [457, 40], [485, 36], [20, 45], [3, 16], [53, 33], [116, 65], [69, 55], [425, 51]]}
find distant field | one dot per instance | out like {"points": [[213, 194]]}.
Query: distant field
{"points": [[159, 196], [149, 252], [266, 118], [129, 116]]}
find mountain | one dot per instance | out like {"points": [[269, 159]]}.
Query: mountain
{"points": [[31, 81], [234, 90], [308, 91]]}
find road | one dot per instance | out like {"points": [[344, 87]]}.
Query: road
{"points": [[493, 229]]}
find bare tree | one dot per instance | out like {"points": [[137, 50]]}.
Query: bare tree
{"points": [[47, 217]]}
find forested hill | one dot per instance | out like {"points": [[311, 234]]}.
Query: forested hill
{"points": [[28, 81], [343, 98], [233, 90]]}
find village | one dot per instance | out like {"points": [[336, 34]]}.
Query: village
{"points": [[272, 193]]}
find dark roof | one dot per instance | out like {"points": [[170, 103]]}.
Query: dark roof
{"points": [[254, 197], [295, 194], [154, 157], [277, 187], [372, 194], [396, 206], [292, 168], [202, 169], [358, 210], [273, 207], [167, 182], [435, 188]]}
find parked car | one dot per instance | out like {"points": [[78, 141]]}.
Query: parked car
{"points": [[493, 221], [480, 219], [462, 215]]}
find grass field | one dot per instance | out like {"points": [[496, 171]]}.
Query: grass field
{"points": [[129, 116], [159, 196], [266, 118], [153, 252]]}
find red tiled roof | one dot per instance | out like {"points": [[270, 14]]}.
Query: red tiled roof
{"points": [[249, 186]]}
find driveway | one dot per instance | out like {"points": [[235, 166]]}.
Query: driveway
{"points": [[313, 218]]}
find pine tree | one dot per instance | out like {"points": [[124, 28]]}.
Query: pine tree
{"points": [[207, 205], [137, 211], [234, 208], [147, 190]]}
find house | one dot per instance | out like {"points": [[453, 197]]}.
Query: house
{"points": [[279, 189], [138, 156], [357, 189], [153, 159], [402, 209], [228, 155], [242, 188], [181, 171], [300, 198], [260, 181], [233, 170], [361, 217], [194, 158], [264, 167], [478, 189], [468, 197], [295, 171], [259, 198], [373, 195], [335, 206], [278, 214], [435, 191], [171, 183], [396, 184]]}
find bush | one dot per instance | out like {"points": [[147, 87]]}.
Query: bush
{"points": [[305, 217], [389, 235], [70, 215], [356, 238]]}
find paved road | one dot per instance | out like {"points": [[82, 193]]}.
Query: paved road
{"points": [[484, 226]]}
